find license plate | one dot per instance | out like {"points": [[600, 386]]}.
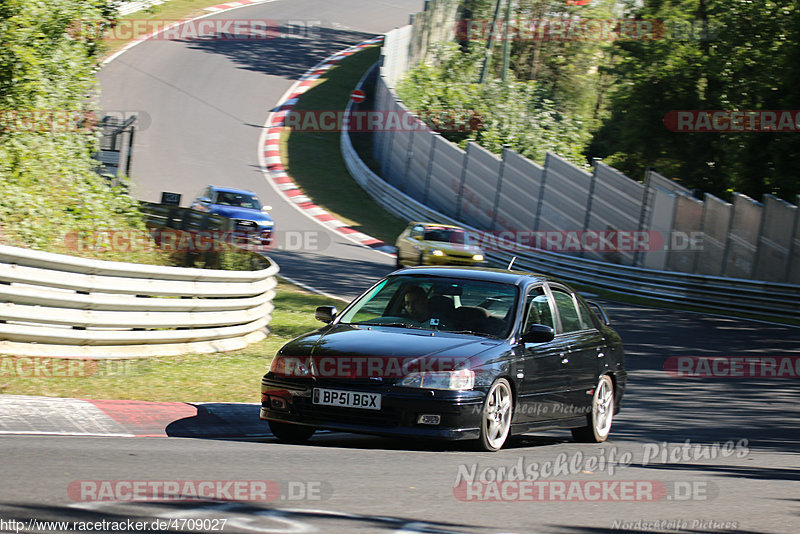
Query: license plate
{"points": [[347, 399]]}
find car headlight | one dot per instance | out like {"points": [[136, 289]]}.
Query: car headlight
{"points": [[477, 257], [290, 366], [461, 379], [437, 252]]}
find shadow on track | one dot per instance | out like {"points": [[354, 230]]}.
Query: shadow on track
{"points": [[344, 277], [286, 57], [659, 407]]}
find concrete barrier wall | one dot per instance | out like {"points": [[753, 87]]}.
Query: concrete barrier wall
{"points": [[510, 193]]}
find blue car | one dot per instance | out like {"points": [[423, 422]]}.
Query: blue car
{"points": [[242, 207]]}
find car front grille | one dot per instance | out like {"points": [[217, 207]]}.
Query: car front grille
{"points": [[244, 225]]}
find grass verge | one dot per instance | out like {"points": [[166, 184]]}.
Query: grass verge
{"points": [[314, 160], [224, 377]]}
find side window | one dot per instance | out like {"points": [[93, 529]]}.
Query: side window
{"points": [[537, 310], [586, 316], [570, 319]]}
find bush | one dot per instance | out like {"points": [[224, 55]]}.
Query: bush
{"points": [[519, 113]]}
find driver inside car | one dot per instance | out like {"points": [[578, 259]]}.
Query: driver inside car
{"points": [[415, 304]]}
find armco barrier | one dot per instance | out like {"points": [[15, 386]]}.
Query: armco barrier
{"points": [[63, 306], [712, 292]]}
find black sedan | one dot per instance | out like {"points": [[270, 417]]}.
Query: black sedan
{"points": [[451, 353]]}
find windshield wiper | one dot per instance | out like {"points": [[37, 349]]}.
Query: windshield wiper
{"points": [[471, 332], [404, 325]]}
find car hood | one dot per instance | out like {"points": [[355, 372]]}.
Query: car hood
{"points": [[235, 212], [359, 352]]}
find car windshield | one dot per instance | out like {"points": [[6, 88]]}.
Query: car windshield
{"points": [[446, 235], [437, 303], [241, 200]]}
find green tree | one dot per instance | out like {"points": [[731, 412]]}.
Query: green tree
{"points": [[48, 56], [713, 55]]}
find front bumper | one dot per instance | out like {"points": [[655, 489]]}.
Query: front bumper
{"points": [[459, 411]]}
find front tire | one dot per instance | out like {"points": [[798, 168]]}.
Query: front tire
{"points": [[290, 433], [496, 416], [598, 422]]}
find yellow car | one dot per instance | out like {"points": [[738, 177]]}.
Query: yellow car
{"points": [[436, 244]]}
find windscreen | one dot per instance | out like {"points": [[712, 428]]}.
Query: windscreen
{"points": [[436, 303]]}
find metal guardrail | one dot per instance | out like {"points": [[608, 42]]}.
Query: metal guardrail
{"points": [[64, 306], [188, 223], [711, 292], [127, 8], [165, 216]]}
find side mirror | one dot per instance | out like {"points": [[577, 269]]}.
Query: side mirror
{"points": [[538, 333], [326, 314]]}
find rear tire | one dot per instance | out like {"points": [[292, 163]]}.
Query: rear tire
{"points": [[290, 433], [598, 422]]}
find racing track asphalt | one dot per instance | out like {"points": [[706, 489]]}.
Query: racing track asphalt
{"points": [[207, 103], [203, 105]]}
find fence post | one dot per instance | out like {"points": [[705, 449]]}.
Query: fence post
{"points": [[639, 255], [498, 190], [588, 215], [542, 186], [462, 181], [409, 156], [431, 156], [794, 246]]}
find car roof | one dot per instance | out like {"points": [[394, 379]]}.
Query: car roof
{"points": [[231, 190], [487, 274]]}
